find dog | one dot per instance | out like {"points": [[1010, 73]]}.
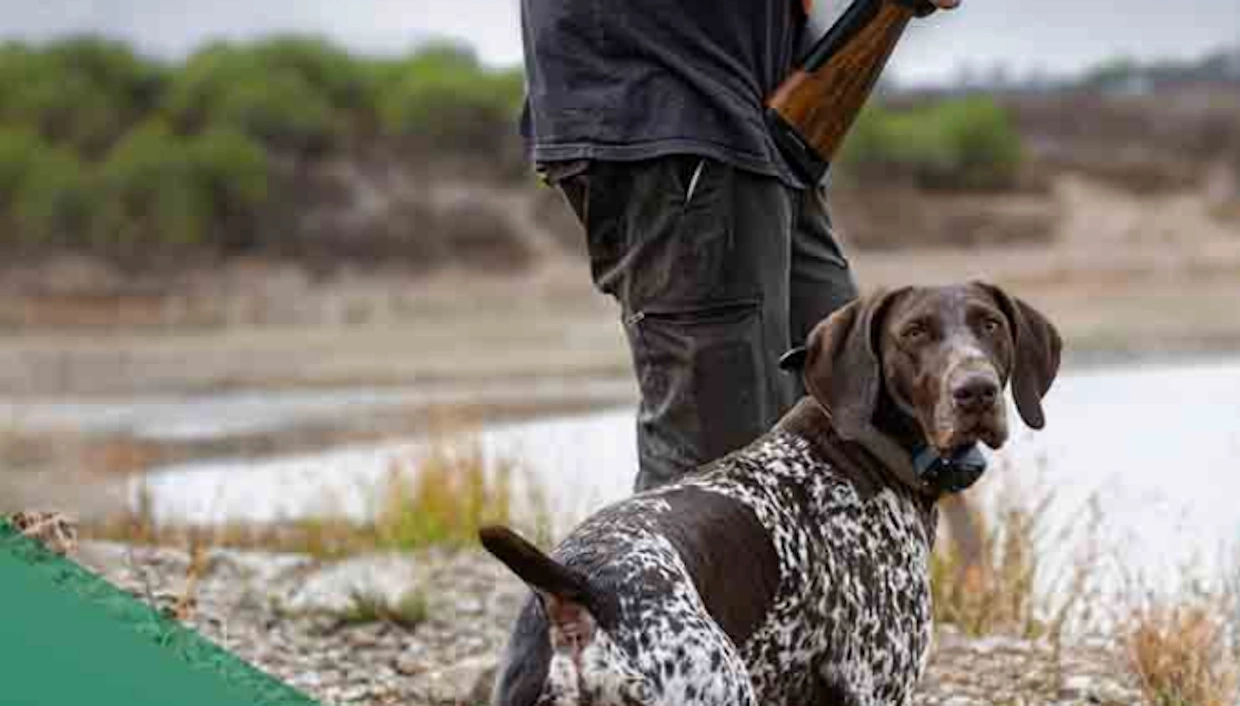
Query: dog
{"points": [[793, 571]]}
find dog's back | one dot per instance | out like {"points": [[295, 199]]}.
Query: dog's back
{"points": [[770, 569], [693, 570]]}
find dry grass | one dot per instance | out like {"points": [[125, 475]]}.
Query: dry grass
{"points": [[994, 592], [194, 571], [409, 610], [445, 500], [996, 581], [441, 498], [1182, 650], [1183, 653]]}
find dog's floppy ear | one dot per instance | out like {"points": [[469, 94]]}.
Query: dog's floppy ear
{"points": [[841, 367], [1037, 346]]}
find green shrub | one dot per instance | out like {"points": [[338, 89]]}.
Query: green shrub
{"points": [[232, 166], [966, 143], [161, 187], [280, 108], [81, 92], [230, 87], [99, 143], [232, 169], [18, 151], [444, 96], [196, 88], [984, 143], [57, 200], [45, 193], [335, 75], [151, 191]]}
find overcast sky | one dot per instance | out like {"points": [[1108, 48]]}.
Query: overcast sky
{"points": [[1048, 35]]}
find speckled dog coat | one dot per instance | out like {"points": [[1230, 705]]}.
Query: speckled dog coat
{"points": [[810, 587], [795, 571]]}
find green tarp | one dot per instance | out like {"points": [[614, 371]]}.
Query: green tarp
{"points": [[69, 638]]}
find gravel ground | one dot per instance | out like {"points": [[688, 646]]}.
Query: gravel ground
{"points": [[289, 616]]}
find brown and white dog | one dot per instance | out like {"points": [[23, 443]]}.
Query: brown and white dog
{"points": [[793, 571]]}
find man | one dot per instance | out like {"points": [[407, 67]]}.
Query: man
{"points": [[648, 115]]}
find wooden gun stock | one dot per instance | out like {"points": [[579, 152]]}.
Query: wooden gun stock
{"points": [[815, 107]]}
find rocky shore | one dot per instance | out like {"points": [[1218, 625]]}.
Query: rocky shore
{"points": [[427, 628]]}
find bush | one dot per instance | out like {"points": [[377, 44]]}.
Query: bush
{"points": [[151, 192], [160, 187], [232, 169], [967, 143], [98, 144], [225, 86], [45, 192], [18, 151], [232, 166], [57, 201], [442, 95], [81, 93], [280, 108], [330, 71]]}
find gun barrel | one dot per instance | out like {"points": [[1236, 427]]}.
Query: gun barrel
{"points": [[855, 18]]}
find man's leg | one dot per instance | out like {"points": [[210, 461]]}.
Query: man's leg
{"points": [[697, 254], [821, 280]]}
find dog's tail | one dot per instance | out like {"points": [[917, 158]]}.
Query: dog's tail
{"points": [[533, 566]]}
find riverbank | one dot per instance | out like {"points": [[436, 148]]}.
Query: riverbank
{"points": [[299, 620], [1124, 275]]}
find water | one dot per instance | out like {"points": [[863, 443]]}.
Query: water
{"points": [[202, 417], [1156, 446], [579, 463]]}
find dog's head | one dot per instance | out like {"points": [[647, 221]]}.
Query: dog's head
{"points": [[940, 357]]}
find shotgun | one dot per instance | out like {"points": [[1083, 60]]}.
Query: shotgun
{"points": [[814, 108]]}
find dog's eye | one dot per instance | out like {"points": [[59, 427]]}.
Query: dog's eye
{"points": [[916, 332], [991, 325]]}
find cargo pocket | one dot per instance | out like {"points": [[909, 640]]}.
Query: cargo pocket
{"points": [[688, 256], [702, 371]]}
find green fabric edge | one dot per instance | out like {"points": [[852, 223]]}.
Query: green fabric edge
{"points": [[180, 642]]}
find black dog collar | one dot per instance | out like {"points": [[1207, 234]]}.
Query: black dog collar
{"points": [[949, 474]]}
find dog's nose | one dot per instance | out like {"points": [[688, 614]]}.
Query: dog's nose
{"points": [[975, 393]]}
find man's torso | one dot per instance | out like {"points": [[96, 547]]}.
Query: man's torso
{"points": [[648, 78]]}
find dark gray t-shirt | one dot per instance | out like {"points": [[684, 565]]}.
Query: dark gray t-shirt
{"points": [[633, 79]]}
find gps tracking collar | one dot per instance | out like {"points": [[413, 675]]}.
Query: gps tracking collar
{"points": [[949, 474]]}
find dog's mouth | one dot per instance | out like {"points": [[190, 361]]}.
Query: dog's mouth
{"points": [[952, 430], [962, 432], [956, 439]]}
